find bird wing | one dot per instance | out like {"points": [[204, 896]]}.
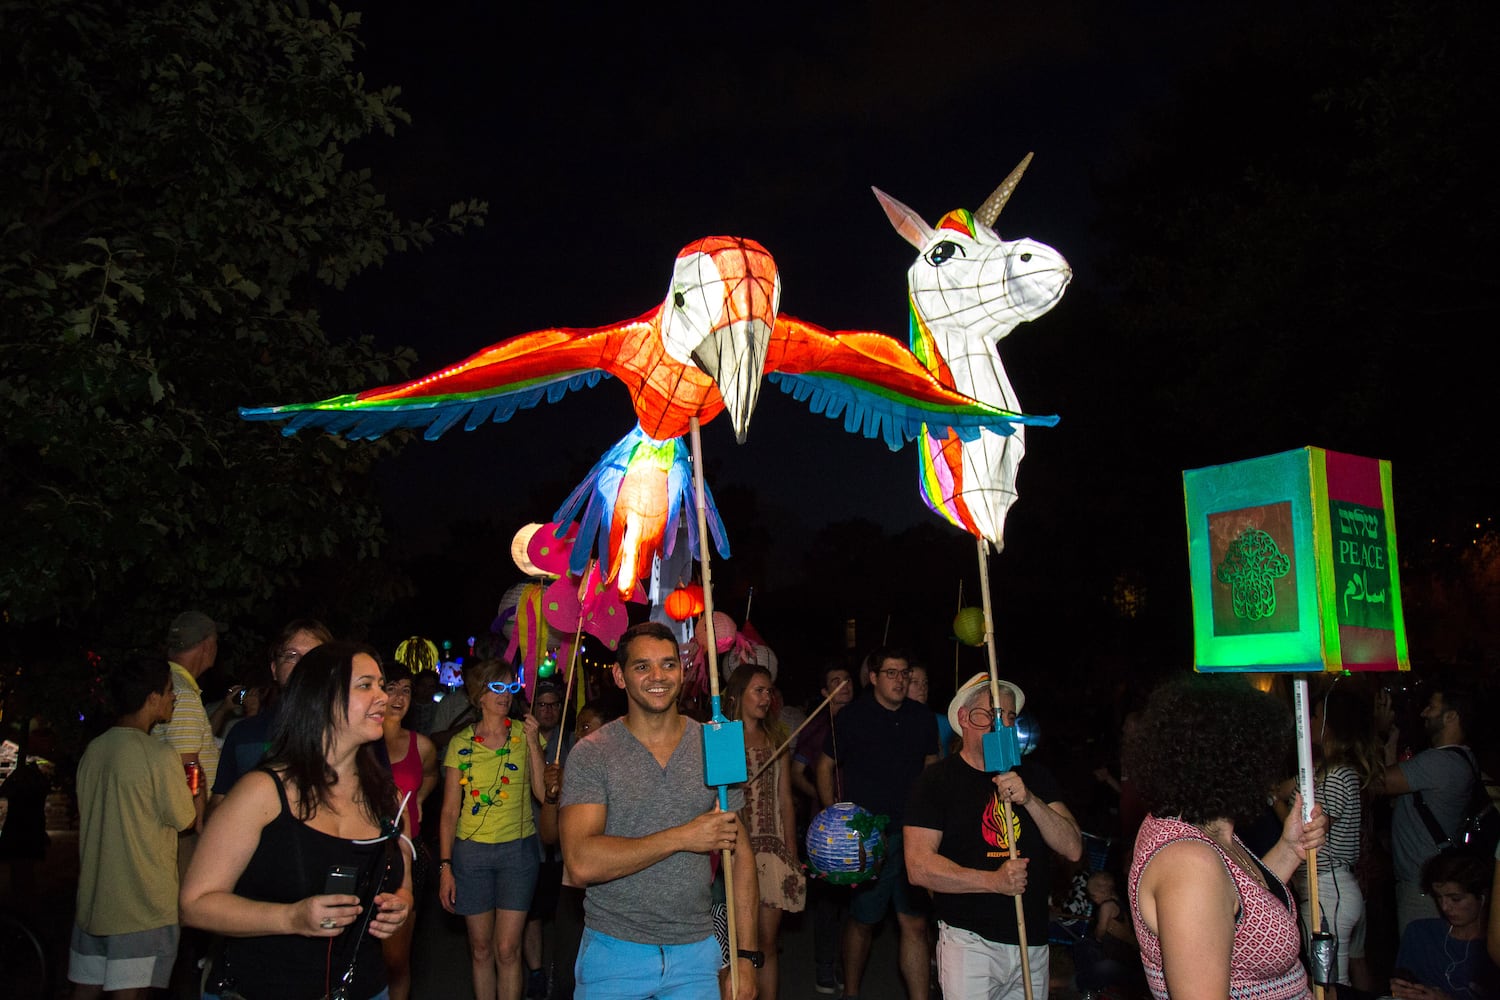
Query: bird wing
{"points": [[876, 384], [491, 385]]}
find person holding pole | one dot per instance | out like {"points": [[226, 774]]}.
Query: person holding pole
{"points": [[957, 847], [1213, 920], [638, 827]]}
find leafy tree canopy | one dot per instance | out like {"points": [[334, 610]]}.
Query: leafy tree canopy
{"points": [[177, 197]]}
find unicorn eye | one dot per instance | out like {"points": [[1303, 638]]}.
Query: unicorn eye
{"points": [[943, 253], [679, 300], [1025, 257]]}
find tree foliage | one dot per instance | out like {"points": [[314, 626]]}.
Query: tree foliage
{"points": [[177, 198]]}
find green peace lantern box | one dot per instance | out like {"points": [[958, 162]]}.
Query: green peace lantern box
{"points": [[1293, 564]]}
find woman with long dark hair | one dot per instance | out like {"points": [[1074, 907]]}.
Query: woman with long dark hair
{"points": [[1213, 920], [301, 867]]}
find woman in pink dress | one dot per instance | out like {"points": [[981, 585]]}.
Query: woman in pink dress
{"points": [[1214, 920]]}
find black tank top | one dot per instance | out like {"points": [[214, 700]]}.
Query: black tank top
{"points": [[290, 863]]}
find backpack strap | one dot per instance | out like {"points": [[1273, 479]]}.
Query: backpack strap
{"points": [[1434, 829]]}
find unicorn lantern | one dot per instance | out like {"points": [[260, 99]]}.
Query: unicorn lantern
{"points": [[967, 289]]}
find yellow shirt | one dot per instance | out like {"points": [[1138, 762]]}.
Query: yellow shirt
{"points": [[132, 800], [190, 731], [495, 783]]}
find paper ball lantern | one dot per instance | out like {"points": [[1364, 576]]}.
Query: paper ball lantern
{"points": [[845, 844], [684, 602], [724, 631], [968, 626]]}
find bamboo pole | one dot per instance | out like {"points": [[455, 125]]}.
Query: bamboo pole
{"points": [[726, 857], [1011, 833]]}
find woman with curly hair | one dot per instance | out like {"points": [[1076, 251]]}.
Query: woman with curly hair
{"points": [[768, 812], [1214, 920]]}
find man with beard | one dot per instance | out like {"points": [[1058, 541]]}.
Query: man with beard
{"points": [[1432, 791]]}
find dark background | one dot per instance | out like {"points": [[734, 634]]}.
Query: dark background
{"points": [[1278, 221]]}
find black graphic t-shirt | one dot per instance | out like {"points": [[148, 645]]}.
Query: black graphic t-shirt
{"points": [[960, 802]]}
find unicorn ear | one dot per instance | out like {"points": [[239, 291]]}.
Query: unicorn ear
{"points": [[908, 223]]}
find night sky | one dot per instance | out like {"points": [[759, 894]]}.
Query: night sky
{"points": [[604, 141]]}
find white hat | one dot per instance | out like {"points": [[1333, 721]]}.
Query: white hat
{"points": [[979, 680]]}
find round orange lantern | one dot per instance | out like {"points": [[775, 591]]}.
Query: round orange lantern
{"points": [[684, 602]]}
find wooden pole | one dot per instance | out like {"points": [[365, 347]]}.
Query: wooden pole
{"points": [[726, 857], [810, 716], [1011, 833], [572, 662]]}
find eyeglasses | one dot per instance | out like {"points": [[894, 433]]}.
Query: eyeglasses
{"points": [[288, 656], [893, 673], [983, 717], [548, 704], [501, 687]]}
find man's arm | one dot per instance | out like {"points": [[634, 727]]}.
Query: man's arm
{"points": [[1391, 781], [593, 856], [1056, 824], [825, 780], [930, 870], [746, 910], [800, 781]]}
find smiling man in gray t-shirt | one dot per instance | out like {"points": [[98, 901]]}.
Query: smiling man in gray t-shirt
{"points": [[638, 828]]}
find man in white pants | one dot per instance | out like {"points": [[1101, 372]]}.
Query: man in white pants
{"points": [[957, 847]]}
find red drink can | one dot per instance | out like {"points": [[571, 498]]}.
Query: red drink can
{"points": [[194, 775]]}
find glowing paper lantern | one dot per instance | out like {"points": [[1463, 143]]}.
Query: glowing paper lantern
{"points": [[518, 553], [968, 626], [966, 290], [1293, 564], [684, 602], [700, 352], [417, 654], [846, 844]]}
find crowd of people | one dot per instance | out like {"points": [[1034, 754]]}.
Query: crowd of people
{"points": [[284, 853]]}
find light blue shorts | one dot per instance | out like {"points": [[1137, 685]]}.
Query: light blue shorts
{"points": [[611, 969]]}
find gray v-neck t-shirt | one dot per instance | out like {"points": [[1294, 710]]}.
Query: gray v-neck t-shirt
{"points": [[667, 903]]}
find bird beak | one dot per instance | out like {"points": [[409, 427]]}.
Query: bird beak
{"points": [[733, 352]]}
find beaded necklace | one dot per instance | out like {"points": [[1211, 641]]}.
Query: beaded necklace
{"points": [[498, 792]]}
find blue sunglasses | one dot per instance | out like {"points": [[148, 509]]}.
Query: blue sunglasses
{"points": [[501, 687]]}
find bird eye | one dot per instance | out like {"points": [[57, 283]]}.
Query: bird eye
{"points": [[944, 252], [678, 300], [1025, 257]]}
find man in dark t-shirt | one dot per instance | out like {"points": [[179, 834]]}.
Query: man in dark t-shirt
{"points": [[957, 847], [882, 740]]}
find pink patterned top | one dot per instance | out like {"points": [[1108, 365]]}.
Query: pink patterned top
{"points": [[1263, 964]]}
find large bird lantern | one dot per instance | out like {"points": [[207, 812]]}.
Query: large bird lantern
{"points": [[701, 351]]}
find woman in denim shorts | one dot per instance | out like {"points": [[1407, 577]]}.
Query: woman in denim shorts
{"points": [[487, 844]]}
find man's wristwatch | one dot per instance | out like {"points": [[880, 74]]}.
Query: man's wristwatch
{"points": [[444, 863], [757, 958]]}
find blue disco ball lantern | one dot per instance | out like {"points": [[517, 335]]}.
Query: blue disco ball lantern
{"points": [[1028, 732], [846, 844]]}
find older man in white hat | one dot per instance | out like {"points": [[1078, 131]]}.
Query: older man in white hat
{"points": [[957, 847]]}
